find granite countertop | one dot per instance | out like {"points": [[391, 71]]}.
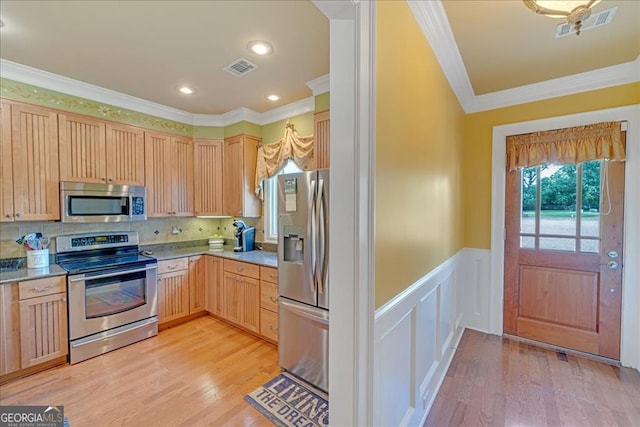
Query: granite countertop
{"points": [[265, 258], [31, 273]]}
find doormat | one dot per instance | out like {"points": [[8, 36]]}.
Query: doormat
{"points": [[287, 402]]}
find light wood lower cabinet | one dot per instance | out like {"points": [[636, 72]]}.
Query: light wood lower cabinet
{"points": [[269, 303], [197, 284], [215, 286], [242, 294], [173, 289], [33, 328]]}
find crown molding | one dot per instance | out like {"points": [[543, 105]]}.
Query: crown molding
{"points": [[33, 76], [44, 79], [432, 20], [294, 109], [576, 83], [319, 85]]}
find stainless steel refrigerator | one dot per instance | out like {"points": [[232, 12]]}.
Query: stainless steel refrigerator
{"points": [[303, 289]]}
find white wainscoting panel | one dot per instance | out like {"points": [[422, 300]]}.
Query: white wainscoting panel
{"points": [[415, 338], [474, 289]]}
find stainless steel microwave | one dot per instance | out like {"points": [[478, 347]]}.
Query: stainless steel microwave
{"points": [[92, 202]]}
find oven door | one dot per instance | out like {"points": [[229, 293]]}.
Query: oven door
{"points": [[106, 299]]}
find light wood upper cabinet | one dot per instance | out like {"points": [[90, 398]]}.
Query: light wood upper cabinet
{"points": [[92, 150], [82, 149], [321, 139], [125, 154], [208, 176], [168, 175], [6, 173], [240, 154], [35, 171]]}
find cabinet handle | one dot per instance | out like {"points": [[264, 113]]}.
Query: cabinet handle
{"points": [[274, 300], [46, 288], [63, 299], [110, 179], [103, 179], [273, 277], [240, 268], [271, 328], [18, 214], [8, 215], [172, 267]]}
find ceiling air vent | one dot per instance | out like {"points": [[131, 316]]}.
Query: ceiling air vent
{"points": [[240, 67], [596, 20]]}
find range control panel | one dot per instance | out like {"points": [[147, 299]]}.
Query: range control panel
{"points": [[99, 240]]}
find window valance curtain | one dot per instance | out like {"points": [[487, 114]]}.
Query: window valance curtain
{"points": [[273, 157], [566, 146]]}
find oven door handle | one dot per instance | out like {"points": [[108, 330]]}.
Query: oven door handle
{"points": [[119, 273]]}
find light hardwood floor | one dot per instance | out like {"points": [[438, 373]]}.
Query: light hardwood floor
{"points": [[500, 382], [194, 374]]}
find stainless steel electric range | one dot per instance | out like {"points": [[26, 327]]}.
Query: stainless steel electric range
{"points": [[112, 292]]}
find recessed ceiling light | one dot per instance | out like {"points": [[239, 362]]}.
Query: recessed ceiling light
{"points": [[186, 90], [273, 97], [259, 47]]}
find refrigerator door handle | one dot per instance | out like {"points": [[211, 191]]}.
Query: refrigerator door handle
{"points": [[304, 313], [320, 213], [312, 221]]}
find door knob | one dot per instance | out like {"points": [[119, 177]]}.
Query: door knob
{"points": [[612, 265], [612, 254]]}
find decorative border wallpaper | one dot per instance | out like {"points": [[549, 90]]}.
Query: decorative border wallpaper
{"points": [[49, 98]]}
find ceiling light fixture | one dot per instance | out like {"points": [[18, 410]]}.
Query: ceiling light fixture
{"points": [[574, 11], [273, 97], [259, 47], [186, 90]]}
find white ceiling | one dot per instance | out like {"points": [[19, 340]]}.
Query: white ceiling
{"points": [[146, 48]]}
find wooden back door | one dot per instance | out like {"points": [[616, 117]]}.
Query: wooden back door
{"points": [[563, 255]]}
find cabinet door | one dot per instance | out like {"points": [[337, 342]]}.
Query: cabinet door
{"points": [[232, 184], [82, 149], [233, 298], [6, 173], [125, 154], [207, 180], [197, 283], [157, 167], [9, 328], [215, 286], [34, 137], [182, 180], [43, 329], [321, 139], [251, 305], [173, 296]]}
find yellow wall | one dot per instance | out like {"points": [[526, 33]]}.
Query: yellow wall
{"points": [[478, 133], [419, 124]]}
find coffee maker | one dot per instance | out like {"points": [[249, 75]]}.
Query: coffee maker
{"points": [[245, 237]]}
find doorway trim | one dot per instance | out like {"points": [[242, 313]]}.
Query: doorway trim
{"points": [[630, 328]]}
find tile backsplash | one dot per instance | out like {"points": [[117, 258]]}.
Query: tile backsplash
{"points": [[152, 231]]}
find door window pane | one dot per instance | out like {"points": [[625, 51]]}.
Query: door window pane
{"points": [[527, 242], [558, 200], [529, 199], [558, 244], [592, 246], [590, 215]]}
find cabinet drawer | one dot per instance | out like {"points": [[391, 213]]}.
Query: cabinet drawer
{"points": [[269, 324], [176, 264], [242, 268], [41, 287], [269, 274], [269, 296]]}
